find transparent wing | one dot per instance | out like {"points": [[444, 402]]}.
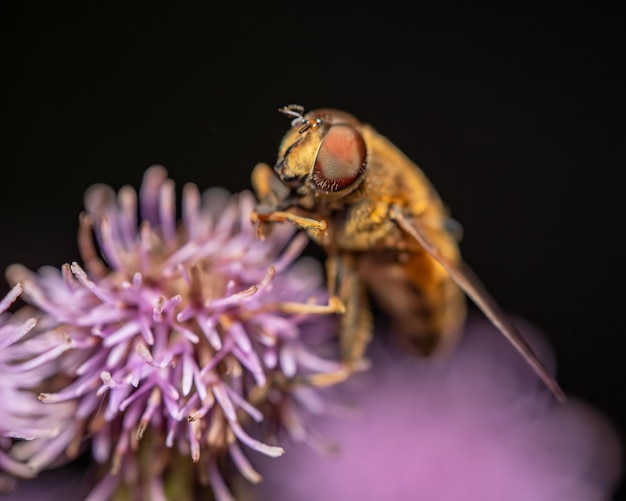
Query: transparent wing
{"points": [[476, 291]]}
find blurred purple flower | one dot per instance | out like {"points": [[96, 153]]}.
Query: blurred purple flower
{"points": [[183, 332], [476, 425]]}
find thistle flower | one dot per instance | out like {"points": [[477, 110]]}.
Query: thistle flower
{"points": [[181, 332], [11, 424], [22, 416]]}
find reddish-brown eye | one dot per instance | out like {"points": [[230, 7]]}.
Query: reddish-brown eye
{"points": [[341, 159]]}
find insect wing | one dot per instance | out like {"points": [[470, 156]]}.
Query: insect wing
{"points": [[471, 285]]}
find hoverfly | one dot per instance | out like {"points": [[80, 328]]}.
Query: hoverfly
{"points": [[385, 230]]}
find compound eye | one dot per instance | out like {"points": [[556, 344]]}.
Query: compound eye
{"points": [[341, 159]]}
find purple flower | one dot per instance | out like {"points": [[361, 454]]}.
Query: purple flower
{"points": [[11, 331], [22, 416], [12, 424], [477, 425], [179, 331]]}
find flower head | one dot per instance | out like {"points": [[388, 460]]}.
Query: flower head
{"points": [[11, 331], [22, 416], [179, 330], [11, 423]]}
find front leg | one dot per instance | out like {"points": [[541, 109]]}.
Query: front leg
{"points": [[267, 187], [316, 228], [274, 201]]}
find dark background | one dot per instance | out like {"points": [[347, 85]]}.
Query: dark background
{"points": [[517, 116]]}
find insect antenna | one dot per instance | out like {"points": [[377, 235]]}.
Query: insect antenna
{"points": [[297, 111], [293, 110]]}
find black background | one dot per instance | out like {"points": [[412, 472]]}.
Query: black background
{"points": [[516, 115]]}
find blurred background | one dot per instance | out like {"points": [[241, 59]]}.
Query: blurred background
{"points": [[517, 117]]}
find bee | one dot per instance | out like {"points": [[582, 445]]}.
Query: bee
{"points": [[385, 231]]}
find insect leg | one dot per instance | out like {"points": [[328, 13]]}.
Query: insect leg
{"points": [[268, 188], [467, 280], [356, 323], [305, 223], [335, 305]]}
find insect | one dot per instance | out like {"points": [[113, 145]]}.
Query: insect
{"points": [[385, 230]]}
